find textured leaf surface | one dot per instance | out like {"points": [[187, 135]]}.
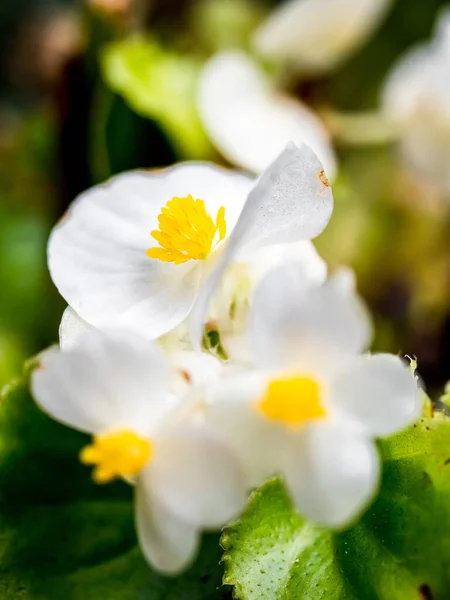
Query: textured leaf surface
{"points": [[61, 536], [400, 550]]}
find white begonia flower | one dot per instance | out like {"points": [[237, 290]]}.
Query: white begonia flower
{"points": [[315, 36], [416, 98], [312, 404], [133, 253], [228, 310], [249, 121], [114, 385]]}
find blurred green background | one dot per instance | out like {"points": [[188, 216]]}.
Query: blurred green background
{"points": [[63, 128]]}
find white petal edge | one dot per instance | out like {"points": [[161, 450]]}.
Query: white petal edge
{"points": [[316, 328], [316, 35], [197, 477], [72, 329], [291, 202], [233, 418], [168, 543], [377, 392], [251, 123], [110, 380], [332, 473]]}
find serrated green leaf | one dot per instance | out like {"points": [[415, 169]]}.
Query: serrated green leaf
{"points": [[400, 550], [159, 85], [62, 536]]}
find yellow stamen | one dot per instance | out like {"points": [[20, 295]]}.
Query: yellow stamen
{"points": [[118, 454], [186, 231], [292, 401]]}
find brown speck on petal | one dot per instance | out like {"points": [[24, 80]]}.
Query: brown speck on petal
{"points": [[323, 178], [185, 375]]}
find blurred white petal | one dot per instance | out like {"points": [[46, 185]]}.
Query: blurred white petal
{"points": [[232, 300], [235, 420], [168, 543], [296, 325], [316, 35], [416, 98], [332, 473], [251, 123], [197, 478], [379, 393], [110, 380]]}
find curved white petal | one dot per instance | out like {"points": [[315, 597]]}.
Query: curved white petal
{"points": [[230, 305], [379, 393], [332, 473], [316, 35], [110, 380], [97, 254], [233, 418], [72, 329], [169, 544], [294, 325], [248, 121], [416, 97], [197, 478], [292, 201]]}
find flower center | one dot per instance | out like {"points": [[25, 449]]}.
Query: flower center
{"points": [[292, 400], [117, 454], [186, 231]]}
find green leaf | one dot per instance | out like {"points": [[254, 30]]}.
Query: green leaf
{"points": [[62, 536], [400, 549], [159, 85]]}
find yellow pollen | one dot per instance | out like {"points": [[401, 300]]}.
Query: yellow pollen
{"points": [[186, 231], [292, 401], [118, 454]]}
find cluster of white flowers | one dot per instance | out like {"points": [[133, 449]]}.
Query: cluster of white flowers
{"points": [[151, 261]]}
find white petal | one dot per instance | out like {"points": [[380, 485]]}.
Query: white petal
{"points": [[194, 373], [169, 544], [197, 478], [377, 392], [301, 326], [97, 254], [332, 473], [416, 97], [110, 380], [291, 202], [72, 329], [234, 419], [248, 121], [235, 293], [316, 35]]}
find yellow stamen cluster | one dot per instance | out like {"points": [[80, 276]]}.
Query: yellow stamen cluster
{"points": [[186, 231], [292, 401], [120, 454]]}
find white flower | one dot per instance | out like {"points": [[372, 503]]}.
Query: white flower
{"points": [[114, 385], [416, 97], [312, 404], [133, 253], [228, 310], [249, 121], [315, 36]]}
